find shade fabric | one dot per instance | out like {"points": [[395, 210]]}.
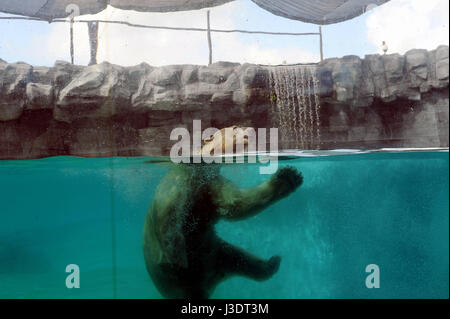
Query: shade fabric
{"points": [[53, 9], [313, 11], [319, 11]]}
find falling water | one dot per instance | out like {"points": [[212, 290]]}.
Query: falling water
{"points": [[296, 105]]}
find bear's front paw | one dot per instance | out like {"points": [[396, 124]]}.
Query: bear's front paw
{"points": [[287, 180], [273, 264]]}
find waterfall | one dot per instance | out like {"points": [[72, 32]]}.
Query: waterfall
{"points": [[294, 95]]}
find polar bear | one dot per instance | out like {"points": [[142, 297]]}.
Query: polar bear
{"points": [[183, 254]]}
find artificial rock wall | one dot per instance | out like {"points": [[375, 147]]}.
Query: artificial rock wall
{"points": [[108, 110]]}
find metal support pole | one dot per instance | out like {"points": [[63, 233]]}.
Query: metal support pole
{"points": [[71, 41], [93, 41], [209, 37], [321, 43]]}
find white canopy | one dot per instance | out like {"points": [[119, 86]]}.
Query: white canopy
{"points": [[53, 9], [313, 11], [319, 11]]}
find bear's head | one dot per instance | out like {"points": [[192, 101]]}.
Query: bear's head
{"points": [[229, 140]]}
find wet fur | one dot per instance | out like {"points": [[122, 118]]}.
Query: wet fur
{"points": [[184, 256]]}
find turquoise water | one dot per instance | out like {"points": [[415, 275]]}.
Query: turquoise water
{"points": [[389, 209]]}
